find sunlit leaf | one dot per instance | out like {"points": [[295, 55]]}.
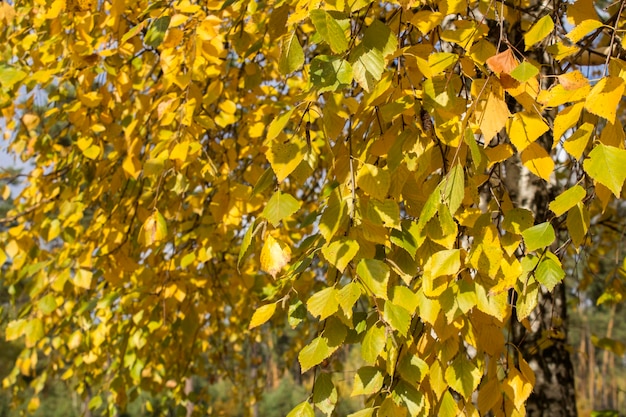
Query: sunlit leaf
{"points": [[279, 207], [539, 31], [605, 97], [292, 56], [607, 165], [262, 315], [539, 236], [274, 256], [567, 199]]}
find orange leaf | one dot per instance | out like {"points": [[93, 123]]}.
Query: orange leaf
{"points": [[504, 62]]}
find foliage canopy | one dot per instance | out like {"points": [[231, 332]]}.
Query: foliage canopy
{"points": [[345, 167]]}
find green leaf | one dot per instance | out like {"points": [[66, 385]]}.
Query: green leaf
{"points": [[447, 406], [279, 207], [322, 346], [156, 31], [453, 187], [245, 242], [398, 318], [304, 409], [539, 236], [373, 343], [517, 220], [330, 73], [329, 29], [47, 304], [374, 275], [607, 165], [323, 303], [368, 380], [384, 212], [406, 237], [348, 296], [549, 271], [340, 252], [262, 315], [567, 199], [463, 376], [380, 37], [413, 399], [133, 32], [291, 55], [314, 353], [413, 369], [524, 72], [404, 297], [325, 393], [538, 31], [367, 65], [297, 313]]}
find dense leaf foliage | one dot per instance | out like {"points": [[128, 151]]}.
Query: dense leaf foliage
{"points": [[346, 168]]}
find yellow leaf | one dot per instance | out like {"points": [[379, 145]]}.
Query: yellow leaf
{"points": [[565, 120], [538, 31], [82, 278], [285, 157], [180, 151], [442, 264], [481, 51], [261, 315], [583, 28], [340, 252], [576, 144], [580, 11], [573, 80], [131, 164], [537, 160], [440, 61], [491, 113], [91, 99], [425, 20], [374, 181], [274, 256], [154, 229], [498, 153], [605, 97], [517, 387], [525, 128]]}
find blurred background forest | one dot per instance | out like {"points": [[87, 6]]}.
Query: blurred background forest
{"points": [[597, 337]]}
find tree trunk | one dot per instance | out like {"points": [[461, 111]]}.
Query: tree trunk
{"points": [[544, 343], [545, 348]]}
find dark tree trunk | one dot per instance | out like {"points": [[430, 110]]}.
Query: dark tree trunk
{"points": [[545, 348]]}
